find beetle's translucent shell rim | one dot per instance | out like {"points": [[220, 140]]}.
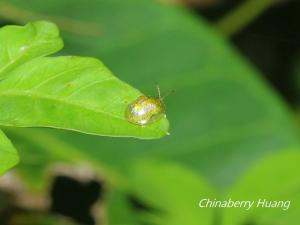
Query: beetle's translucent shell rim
{"points": [[145, 110]]}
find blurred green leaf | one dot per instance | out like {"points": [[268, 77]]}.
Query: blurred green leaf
{"points": [[172, 193], [224, 117], [120, 210], [68, 92], [274, 178], [8, 154], [38, 158]]}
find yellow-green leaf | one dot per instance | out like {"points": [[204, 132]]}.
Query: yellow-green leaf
{"points": [[8, 154]]}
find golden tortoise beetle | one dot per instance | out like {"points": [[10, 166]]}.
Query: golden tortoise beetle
{"points": [[146, 110]]}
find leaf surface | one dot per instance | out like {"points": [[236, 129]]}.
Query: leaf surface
{"points": [[224, 116], [66, 92], [19, 44], [171, 193], [275, 178], [8, 154]]}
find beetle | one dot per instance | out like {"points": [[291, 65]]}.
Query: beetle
{"points": [[146, 110]]}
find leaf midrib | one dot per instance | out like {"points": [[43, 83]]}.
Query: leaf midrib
{"points": [[34, 95], [40, 96]]}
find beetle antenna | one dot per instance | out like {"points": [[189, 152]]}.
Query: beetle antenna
{"points": [[167, 94], [158, 91]]}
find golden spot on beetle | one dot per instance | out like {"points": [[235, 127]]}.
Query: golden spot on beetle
{"points": [[146, 110]]}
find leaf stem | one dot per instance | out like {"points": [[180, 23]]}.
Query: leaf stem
{"points": [[242, 15], [18, 15]]}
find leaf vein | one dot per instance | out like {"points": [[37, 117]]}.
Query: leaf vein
{"points": [[58, 75], [87, 86]]}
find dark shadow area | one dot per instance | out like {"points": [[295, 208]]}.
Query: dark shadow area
{"points": [[139, 205], [7, 207], [270, 42], [74, 199]]}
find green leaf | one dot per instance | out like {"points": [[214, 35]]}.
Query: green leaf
{"points": [[38, 157], [8, 154], [172, 194], [224, 116], [275, 178], [119, 209], [66, 92], [20, 44]]}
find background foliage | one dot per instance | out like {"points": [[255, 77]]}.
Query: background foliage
{"points": [[226, 120]]}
